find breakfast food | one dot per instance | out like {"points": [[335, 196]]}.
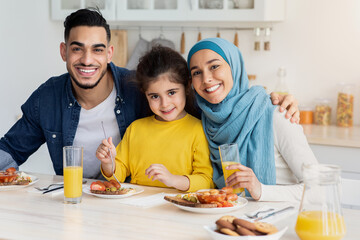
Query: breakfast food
{"points": [[111, 187], [233, 226], [11, 177], [180, 201], [211, 198]]}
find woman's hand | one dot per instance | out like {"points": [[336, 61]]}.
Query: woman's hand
{"points": [[245, 178], [161, 173], [287, 102], [103, 154]]}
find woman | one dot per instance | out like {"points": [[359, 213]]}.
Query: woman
{"points": [[272, 150]]}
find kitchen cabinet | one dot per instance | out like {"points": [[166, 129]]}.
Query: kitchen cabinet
{"points": [[336, 145], [60, 9], [132, 11], [201, 10]]}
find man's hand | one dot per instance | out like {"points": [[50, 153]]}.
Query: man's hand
{"points": [[287, 102]]}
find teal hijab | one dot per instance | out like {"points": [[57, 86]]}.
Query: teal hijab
{"points": [[244, 117]]}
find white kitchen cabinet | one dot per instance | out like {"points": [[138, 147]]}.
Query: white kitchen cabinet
{"points": [[201, 10], [60, 9], [131, 11], [348, 158]]}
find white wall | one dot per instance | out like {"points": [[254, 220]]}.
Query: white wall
{"points": [[318, 43]]}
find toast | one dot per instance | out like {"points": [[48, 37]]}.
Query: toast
{"points": [[19, 182], [186, 203], [119, 192]]}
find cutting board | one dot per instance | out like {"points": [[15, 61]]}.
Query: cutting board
{"points": [[120, 42]]}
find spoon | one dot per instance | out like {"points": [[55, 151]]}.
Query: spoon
{"points": [[111, 157]]}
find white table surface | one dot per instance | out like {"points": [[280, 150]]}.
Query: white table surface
{"points": [[26, 215]]}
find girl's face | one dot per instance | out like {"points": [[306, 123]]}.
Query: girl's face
{"points": [[166, 99], [211, 75]]}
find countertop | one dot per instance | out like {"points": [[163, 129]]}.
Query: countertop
{"points": [[333, 135], [28, 215]]}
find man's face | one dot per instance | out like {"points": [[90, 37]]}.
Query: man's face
{"points": [[86, 54]]}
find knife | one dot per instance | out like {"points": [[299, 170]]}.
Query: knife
{"points": [[273, 213], [53, 189]]}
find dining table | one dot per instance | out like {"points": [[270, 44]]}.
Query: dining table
{"points": [[27, 214]]}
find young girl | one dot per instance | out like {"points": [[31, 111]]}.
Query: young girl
{"points": [[168, 149]]}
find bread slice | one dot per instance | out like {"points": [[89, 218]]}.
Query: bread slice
{"points": [[19, 182], [186, 203], [119, 192]]}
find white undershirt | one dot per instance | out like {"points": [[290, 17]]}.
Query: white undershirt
{"points": [[89, 133], [291, 151]]}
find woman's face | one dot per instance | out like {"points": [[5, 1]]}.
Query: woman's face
{"points": [[211, 75]]}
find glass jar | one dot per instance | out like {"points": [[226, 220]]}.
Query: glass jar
{"points": [[320, 215], [345, 105], [306, 115], [281, 85], [322, 114]]}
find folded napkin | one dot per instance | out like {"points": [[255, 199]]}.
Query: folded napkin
{"points": [[272, 219], [145, 202]]}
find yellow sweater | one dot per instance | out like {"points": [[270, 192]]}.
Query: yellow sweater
{"points": [[180, 145]]}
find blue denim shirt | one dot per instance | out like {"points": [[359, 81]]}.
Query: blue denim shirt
{"points": [[51, 115]]}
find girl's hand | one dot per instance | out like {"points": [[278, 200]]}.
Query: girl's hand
{"points": [[159, 172], [245, 178], [287, 102], [103, 154]]}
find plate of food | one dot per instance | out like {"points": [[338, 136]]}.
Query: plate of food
{"points": [[232, 228], [10, 179], [211, 201], [112, 189]]}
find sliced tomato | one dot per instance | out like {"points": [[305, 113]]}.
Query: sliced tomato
{"points": [[97, 186], [226, 204], [11, 170], [227, 190], [231, 197]]}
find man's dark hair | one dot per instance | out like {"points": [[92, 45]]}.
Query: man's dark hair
{"points": [[86, 17]]}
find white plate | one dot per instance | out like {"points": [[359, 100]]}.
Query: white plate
{"points": [[218, 236], [34, 179], [86, 189], [241, 202]]}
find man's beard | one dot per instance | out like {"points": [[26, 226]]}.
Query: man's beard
{"points": [[84, 86]]}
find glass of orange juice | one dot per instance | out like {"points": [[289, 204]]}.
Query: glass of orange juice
{"points": [[229, 155], [73, 173]]}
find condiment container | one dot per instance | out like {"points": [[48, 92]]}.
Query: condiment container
{"points": [[345, 105], [257, 39], [322, 114], [252, 80], [306, 115], [281, 85], [320, 215]]}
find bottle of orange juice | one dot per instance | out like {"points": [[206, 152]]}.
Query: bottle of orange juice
{"points": [[320, 215]]}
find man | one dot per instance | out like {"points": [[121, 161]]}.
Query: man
{"points": [[70, 109]]}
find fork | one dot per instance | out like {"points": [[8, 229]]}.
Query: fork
{"points": [[112, 159], [257, 214], [48, 187]]}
